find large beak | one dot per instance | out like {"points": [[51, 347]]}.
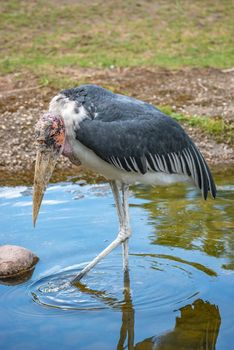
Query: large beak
{"points": [[45, 163]]}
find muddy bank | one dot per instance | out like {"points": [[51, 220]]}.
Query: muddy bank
{"points": [[203, 92]]}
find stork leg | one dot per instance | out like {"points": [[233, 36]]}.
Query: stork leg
{"points": [[126, 224], [123, 214], [123, 235]]}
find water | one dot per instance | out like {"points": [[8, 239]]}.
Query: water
{"points": [[179, 293]]}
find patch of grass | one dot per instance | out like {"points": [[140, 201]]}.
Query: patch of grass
{"points": [[216, 127], [60, 82], [43, 34]]}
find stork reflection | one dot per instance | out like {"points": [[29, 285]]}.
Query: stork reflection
{"points": [[196, 328], [128, 314]]}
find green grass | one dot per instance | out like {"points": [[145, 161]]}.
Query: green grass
{"points": [[42, 36], [215, 127], [46, 37]]}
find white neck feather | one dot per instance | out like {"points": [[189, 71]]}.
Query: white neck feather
{"points": [[72, 113]]}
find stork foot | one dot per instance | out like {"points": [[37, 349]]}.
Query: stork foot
{"points": [[94, 262], [78, 277]]}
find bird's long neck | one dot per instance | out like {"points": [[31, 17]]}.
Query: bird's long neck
{"points": [[72, 114], [67, 152]]}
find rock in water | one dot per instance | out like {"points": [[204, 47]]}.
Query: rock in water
{"points": [[16, 262]]}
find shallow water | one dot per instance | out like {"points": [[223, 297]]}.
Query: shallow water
{"points": [[179, 293]]}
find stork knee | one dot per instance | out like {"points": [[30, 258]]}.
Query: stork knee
{"points": [[124, 234]]}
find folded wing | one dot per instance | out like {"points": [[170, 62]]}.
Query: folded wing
{"points": [[141, 143]]}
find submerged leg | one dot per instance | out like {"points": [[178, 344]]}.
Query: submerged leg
{"points": [[123, 235]]}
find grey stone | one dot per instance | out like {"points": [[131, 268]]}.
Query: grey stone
{"points": [[15, 260]]}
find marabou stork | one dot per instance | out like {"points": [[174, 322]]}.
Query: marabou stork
{"points": [[125, 140]]}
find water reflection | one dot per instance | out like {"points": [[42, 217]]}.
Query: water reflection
{"points": [[128, 313], [182, 219], [196, 265], [19, 278], [196, 328]]}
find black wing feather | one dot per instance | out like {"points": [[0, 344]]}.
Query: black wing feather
{"points": [[136, 137]]}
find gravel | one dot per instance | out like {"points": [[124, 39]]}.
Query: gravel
{"points": [[203, 92]]}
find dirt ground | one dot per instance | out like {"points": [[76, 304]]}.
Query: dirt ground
{"points": [[203, 92]]}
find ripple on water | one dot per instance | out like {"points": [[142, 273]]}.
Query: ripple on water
{"points": [[158, 283], [93, 294]]}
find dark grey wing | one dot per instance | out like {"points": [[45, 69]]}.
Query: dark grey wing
{"points": [[152, 143]]}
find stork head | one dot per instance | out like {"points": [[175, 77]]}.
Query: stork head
{"points": [[50, 137]]}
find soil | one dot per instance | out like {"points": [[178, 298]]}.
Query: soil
{"points": [[203, 92]]}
